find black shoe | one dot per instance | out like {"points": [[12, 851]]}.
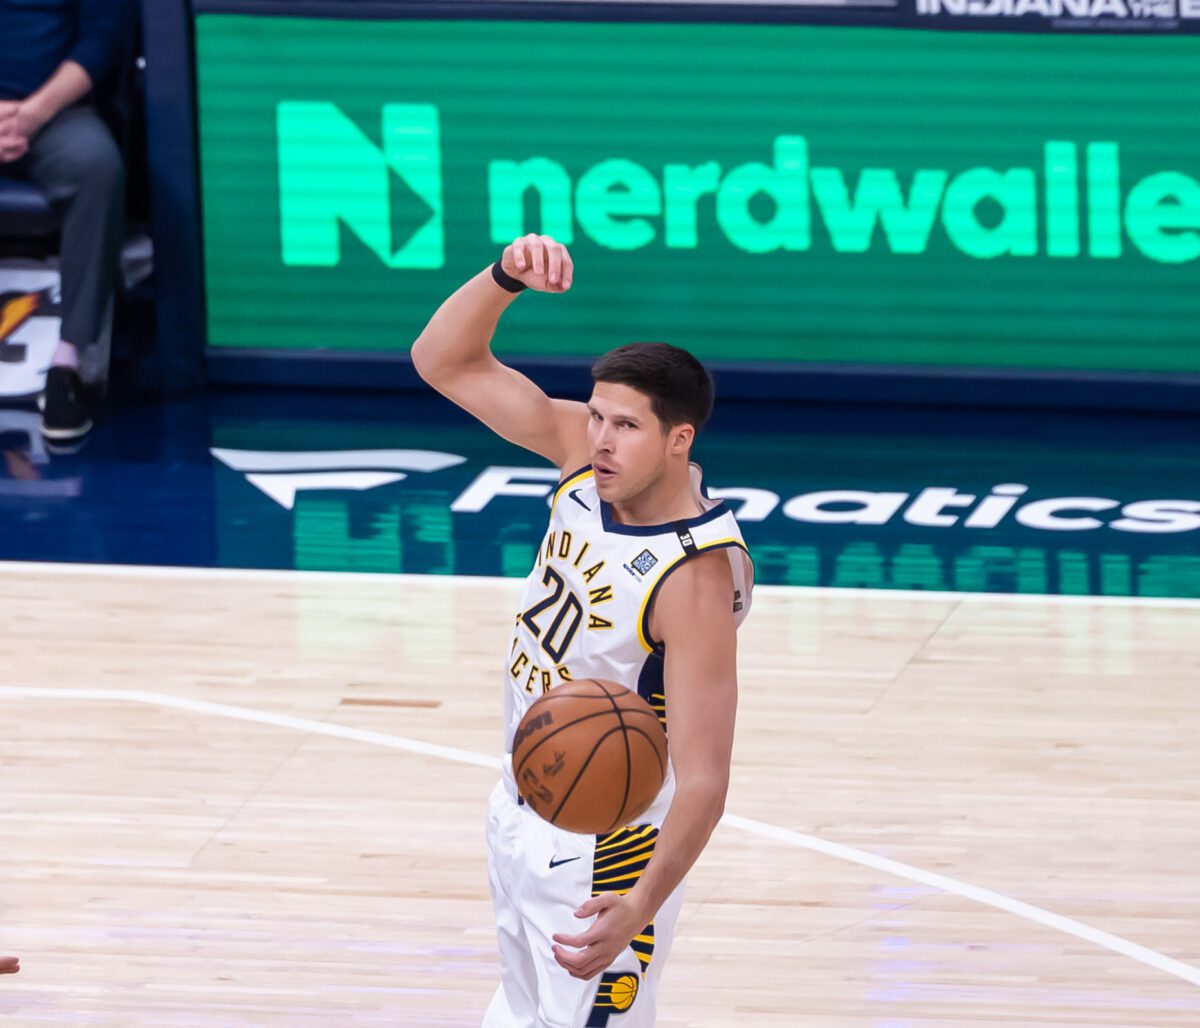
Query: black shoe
{"points": [[66, 411], [67, 447]]}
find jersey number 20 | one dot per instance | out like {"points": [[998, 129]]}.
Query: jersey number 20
{"points": [[557, 637]]}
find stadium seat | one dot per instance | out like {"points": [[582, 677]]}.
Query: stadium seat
{"points": [[26, 213]]}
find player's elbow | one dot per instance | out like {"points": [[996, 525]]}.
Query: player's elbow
{"points": [[424, 360], [439, 368]]}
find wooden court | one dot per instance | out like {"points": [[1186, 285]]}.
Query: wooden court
{"points": [[248, 816]]}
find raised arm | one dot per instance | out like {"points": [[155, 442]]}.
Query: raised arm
{"points": [[453, 354], [693, 616]]}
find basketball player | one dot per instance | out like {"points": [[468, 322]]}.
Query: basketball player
{"points": [[642, 580]]}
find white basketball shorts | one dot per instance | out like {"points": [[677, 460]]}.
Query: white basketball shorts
{"points": [[539, 875]]}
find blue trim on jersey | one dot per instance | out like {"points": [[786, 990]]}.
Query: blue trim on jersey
{"points": [[652, 683], [649, 601], [566, 478], [606, 519]]}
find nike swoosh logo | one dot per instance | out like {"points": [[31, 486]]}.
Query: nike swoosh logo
{"points": [[555, 863], [577, 499]]}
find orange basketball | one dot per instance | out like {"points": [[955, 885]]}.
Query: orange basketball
{"points": [[590, 756]]}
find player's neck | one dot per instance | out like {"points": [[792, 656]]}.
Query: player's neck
{"points": [[669, 499]]}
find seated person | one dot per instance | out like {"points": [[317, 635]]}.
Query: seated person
{"points": [[55, 56]]}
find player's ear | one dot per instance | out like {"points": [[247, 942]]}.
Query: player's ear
{"points": [[681, 437]]}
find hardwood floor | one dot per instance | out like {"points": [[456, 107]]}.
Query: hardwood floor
{"points": [[223, 805]]}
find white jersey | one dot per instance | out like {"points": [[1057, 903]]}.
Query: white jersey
{"points": [[585, 610]]}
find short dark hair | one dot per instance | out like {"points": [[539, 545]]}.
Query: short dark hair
{"points": [[679, 386]]}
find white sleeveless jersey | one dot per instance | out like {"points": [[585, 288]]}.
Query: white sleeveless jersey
{"points": [[585, 609]]}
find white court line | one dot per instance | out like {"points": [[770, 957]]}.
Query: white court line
{"points": [[1046, 918], [155, 571]]}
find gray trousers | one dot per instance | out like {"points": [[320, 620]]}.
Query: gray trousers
{"points": [[77, 164]]}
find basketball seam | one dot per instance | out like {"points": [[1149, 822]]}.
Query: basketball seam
{"points": [[653, 749], [604, 689], [517, 769], [583, 767], [628, 760]]}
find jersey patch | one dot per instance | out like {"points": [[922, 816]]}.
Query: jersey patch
{"points": [[644, 561]]}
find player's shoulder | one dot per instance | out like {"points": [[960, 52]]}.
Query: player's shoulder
{"points": [[699, 582], [708, 567], [698, 597]]}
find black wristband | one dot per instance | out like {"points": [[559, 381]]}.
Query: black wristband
{"points": [[505, 281]]}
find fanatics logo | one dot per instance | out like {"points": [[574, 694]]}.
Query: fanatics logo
{"points": [[644, 561]]}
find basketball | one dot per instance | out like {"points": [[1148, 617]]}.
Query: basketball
{"points": [[590, 756]]}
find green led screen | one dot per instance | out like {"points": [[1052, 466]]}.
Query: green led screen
{"points": [[752, 192]]}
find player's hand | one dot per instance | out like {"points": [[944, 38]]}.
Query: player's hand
{"points": [[618, 920], [540, 262]]}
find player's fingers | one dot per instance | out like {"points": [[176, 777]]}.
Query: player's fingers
{"points": [[520, 257], [571, 961], [568, 267], [574, 973], [593, 906], [583, 969], [538, 253], [553, 261], [574, 941], [590, 968]]}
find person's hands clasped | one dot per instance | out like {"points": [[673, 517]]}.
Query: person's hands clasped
{"points": [[16, 128], [540, 262]]}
